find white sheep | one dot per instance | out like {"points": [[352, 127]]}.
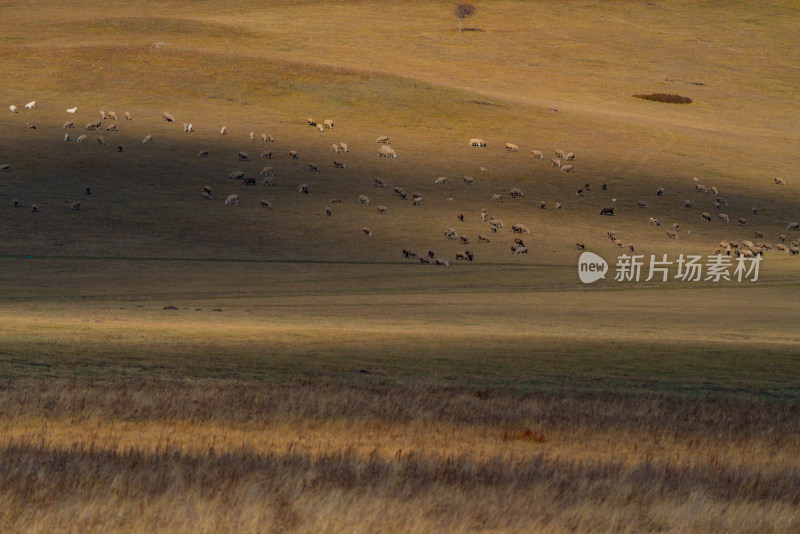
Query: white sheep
{"points": [[321, 128], [223, 130], [511, 147], [382, 140], [252, 136], [72, 110], [343, 146], [383, 210], [380, 182], [13, 108], [477, 142], [556, 162], [232, 200], [127, 116], [441, 180], [66, 137], [386, 152], [780, 181], [468, 180], [537, 154], [335, 148], [328, 124], [560, 154], [5, 167], [103, 115], [148, 140], [111, 115], [520, 229], [303, 189], [570, 156], [30, 105], [566, 168], [363, 199], [111, 127], [236, 175], [69, 124], [167, 117], [100, 140], [267, 171]]}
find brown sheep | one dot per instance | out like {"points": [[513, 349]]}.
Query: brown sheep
{"points": [[518, 250], [328, 211], [567, 168], [484, 238], [379, 182], [243, 156], [724, 218], [511, 147], [367, 232], [607, 211], [266, 204], [706, 216], [313, 167], [383, 210], [780, 181], [580, 245], [303, 189], [641, 204], [497, 198], [520, 229], [672, 234], [338, 164], [267, 155], [363, 199], [515, 192], [468, 180], [556, 162], [76, 205], [203, 154], [293, 154], [249, 181], [537, 154]]}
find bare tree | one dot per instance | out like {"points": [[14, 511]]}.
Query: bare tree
{"points": [[464, 8]]}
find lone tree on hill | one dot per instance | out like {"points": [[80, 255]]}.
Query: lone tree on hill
{"points": [[464, 8]]}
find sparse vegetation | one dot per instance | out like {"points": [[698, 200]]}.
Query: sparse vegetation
{"points": [[663, 97]]}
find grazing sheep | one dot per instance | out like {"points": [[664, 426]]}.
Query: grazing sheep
{"points": [[781, 247], [515, 192], [30, 126], [618, 243], [111, 128], [244, 156], [267, 138], [484, 238], [311, 122], [66, 137], [148, 140], [450, 233], [31, 105], [497, 198], [335, 148], [518, 250], [252, 136], [379, 182], [782, 238], [82, 138], [560, 154], [484, 215], [94, 125], [13, 108], [344, 148], [382, 140], [206, 195], [477, 142], [631, 248], [328, 124], [443, 262], [567, 168], [511, 147], [127, 116], [167, 117], [188, 127], [464, 240], [755, 210], [580, 245], [641, 204], [363, 199], [399, 192], [780, 181], [313, 167], [417, 201], [231, 200], [654, 222], [386, 152], [687, 203], [293, 154], [76, 205], [468, 180], [724, 218], [537, 154], [267, 171], [249, 181], [367, 232], [607, 211], [383, 210], [266, 204], [267, 155], [69, 124], [556, 162], [570, 156], [794, 251], [72, 110], [320, 128], [742, 221], [520, 229], [207, 189], [660, 192], [303, 189], [410, 254], [100, 140], [203, 154], [793, 226], [425, 261], [111, 116], [119, 148], [466, 255], [558, 206], [103, 115], [223, 130], [269, 180], [605, 186], [338, 164], [496, 224], [705, 216], [34, 208], [15, 202], [542, 205], [328, 211], [520, 242], [440, 180], [236, 175], [714, 191], [460, 217]]}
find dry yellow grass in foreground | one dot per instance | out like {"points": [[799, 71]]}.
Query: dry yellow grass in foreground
{"points": [[248, 457]]}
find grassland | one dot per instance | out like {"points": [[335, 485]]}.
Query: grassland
{"points": [[310, 378]]}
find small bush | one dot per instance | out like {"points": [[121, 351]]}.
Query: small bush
{"points": [[663, 97]]}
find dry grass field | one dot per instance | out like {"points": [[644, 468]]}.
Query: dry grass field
{"points": [[170, 364]]}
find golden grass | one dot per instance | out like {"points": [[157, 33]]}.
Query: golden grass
{"points": [[342, 388]]}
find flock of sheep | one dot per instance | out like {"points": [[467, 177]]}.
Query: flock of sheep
{"points": [[515, 243]]}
